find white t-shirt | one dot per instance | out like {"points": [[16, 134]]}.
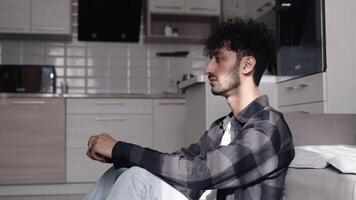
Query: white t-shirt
{"points": [[226, 139]]}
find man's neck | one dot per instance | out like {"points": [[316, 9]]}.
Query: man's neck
{"points": [[243, 96]]}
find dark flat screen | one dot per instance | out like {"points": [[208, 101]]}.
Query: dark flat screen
{"points": [[109, 20]]}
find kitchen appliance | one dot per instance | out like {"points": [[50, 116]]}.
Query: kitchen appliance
{"points": [[109, 20], [27, 79], [301, 36]]}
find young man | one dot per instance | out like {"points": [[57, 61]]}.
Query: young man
{"points": [[244, 155]]}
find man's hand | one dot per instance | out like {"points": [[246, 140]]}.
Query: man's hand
{"points": [[100, 147]]}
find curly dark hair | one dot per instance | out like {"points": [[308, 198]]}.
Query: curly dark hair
{"points": [[246, 38]]}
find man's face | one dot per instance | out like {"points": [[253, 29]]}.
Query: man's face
{"points": [[223, 71]]}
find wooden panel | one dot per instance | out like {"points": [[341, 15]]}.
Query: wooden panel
{"points": [[108, 106], [130, 128], [32, 144], [302, 90]]}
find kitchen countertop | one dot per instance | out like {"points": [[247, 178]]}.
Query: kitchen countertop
{"points": [[117, 95]]}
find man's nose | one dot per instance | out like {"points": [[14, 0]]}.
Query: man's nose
{"points": [[210, 67]]}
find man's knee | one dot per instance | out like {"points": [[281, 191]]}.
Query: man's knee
{"points": [[136, 173]]}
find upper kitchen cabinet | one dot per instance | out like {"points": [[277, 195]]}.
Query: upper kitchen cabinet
{"points": [[177, 21], [51, 16], [167, 6], [35, 17], [254, 9], [15, 16]]}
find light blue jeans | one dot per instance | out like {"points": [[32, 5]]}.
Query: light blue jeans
{"points": [[134, 183]]}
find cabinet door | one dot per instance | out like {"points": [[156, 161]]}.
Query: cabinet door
{"points": [[256, 8], [134, 128], [51, 16], [208, 7], [15, 16], [167, 6], [32, 144], [168, 124]]}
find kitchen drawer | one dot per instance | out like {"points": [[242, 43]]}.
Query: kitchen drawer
{"points": [[167, 6], [132, 128], [317, 107], [108, 106], [80, 168], [302, 90]]}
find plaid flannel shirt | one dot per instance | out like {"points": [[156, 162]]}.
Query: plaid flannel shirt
{"points": [[252, 167]]}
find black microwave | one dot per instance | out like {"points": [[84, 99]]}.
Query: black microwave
{"points": [[27, 79]]}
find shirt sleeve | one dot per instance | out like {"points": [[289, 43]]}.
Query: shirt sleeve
{"points": [[255, 153]]}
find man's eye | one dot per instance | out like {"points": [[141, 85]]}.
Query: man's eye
{"points": [[218, 59]]}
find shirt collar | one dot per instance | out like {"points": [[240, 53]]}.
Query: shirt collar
{"points": [[252, 108]]}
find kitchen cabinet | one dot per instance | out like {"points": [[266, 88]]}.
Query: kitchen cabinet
{"points": [[191, 20], [257, 8], [168, 124], [306, 94], [125, 119], [35, 16], [15, 16], [51, 16], [333, 90], [167, 6], [32, 145]]}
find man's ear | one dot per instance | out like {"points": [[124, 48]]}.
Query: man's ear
{"points": [[248, 65]]}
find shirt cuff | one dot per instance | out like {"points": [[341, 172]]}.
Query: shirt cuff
{"points": [[121, 154]]}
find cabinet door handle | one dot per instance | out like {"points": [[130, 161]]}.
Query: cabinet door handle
{"points": [[304, 84], [109, 119], [301, 85], [305, 111], [29, 102], [50, 29], [170, 103], [202, 9], [291, 87], [169, 7], [14, 28], [110, 103]]}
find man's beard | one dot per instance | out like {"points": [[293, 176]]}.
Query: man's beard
{"points": [[227, 82]]}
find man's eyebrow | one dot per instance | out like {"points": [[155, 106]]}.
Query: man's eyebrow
{"points": [[215, 53]]}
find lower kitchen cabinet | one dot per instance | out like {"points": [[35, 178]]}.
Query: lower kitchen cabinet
{"points": [[168, 124], [129, 120], [32, 144], [153, 123]]}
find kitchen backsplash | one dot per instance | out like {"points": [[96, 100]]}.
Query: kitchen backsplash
{"points": [[106, 67]]}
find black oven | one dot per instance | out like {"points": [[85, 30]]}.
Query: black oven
{"points": [[301, 35], [27, 79]]}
